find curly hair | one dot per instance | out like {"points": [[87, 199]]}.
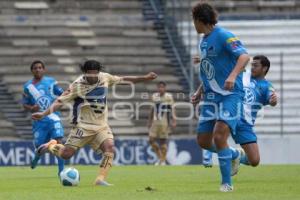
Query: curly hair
{"points": [[91, 65], [205, 13]]}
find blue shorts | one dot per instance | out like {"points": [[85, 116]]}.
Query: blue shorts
{"points": [[221, 108], [44, 131], [244, 134]]}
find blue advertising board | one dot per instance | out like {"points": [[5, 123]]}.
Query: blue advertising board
{"points": [[128, 152]]}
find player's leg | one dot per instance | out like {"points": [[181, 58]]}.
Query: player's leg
{"points": [[246, 137], [251, 156], [57, 133], [205, 141], [206, 125], [153, 142], [76, 140], [230, 109], [40, 135], [107, 147], [164, 150], [104, 143], [221, 134]]}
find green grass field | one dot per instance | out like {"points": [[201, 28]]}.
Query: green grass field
{"points": [[170, 182]]}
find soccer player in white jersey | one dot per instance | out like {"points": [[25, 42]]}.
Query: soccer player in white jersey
{"points": [[161, 120], [88, 94]]}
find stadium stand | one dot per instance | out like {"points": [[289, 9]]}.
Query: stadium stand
{"points": [[272, 38], [63, 34], [129, 38]]}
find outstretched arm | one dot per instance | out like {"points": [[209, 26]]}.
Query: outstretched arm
{"points": [[56, 105], [239, 67], [135, 79]]}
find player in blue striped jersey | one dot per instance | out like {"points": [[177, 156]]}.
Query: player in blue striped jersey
{"points": [[223, 58], [38, 94], [259, 92]]}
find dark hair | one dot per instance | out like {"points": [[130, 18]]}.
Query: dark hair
{"points": [[37, 62], [265, 62], [91, 65], [162, 83], [205, 13]]}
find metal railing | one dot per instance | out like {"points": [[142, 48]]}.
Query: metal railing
{"points": [[172, 32]]}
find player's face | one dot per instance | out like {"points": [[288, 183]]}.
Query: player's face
{"points": [[199, 26], [38, 71], [161, 89], [91, 76], [257, 70]]}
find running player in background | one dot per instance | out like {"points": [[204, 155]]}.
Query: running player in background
{"points": [[223, 58], [38, 94], [90, 127], [259, 92], [161, 119]]}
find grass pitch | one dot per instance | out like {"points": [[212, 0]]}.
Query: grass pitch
{"points": [[271, 182]]}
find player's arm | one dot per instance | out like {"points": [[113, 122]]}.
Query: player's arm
{"points": [[27, 103], [273, 99], [31, 108], [55, 106], [66, 96], [272, 96], [135, 79], [196, 97], [234, 47], [242, 61]]}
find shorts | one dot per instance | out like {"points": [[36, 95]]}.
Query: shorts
{"points": [[244, 134], [46, 130], [222, 108], [159, 131], [80, 137]]}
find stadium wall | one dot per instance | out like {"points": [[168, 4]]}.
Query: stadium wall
{"points": [[129, 151]]}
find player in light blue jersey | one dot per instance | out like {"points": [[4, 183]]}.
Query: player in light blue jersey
{"points": [[258, 93], [38, 94], [223, 58]]}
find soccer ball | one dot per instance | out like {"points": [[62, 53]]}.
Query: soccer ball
{"points": [[69, 177]]}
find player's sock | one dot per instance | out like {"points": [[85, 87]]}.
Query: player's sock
{"points": [[164, 149], [61, 164], [235, 153], [105, 166], [244, 159], [225, 157], [35, 161], [156, 149]]}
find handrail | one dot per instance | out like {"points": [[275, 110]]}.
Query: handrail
{"points": [[172, 43]]}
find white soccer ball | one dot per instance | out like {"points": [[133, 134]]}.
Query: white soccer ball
{"points": [[69, 177]]}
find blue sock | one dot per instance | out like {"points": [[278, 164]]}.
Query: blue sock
{"points": [[225, 157], [244, 160], [61, 164], [213, 148], [235, 153]]}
